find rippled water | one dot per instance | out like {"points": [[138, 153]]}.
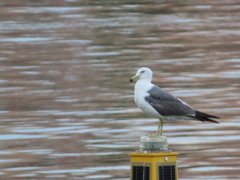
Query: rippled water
{"points": [[67, 109]]}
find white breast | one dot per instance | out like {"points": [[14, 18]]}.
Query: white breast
{"points": [[141, 91]]}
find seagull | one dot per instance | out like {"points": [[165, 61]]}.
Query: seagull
{"points": [[157, 103]]}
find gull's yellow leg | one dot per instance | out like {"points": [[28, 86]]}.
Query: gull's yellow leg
{"points": [[161, 125], [159, 131]]}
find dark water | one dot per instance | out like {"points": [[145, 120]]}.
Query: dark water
{"points": [[67, 109]]}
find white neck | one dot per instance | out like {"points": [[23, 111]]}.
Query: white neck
{"points": [[141, 86]]}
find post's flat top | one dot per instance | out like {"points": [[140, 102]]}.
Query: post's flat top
{"points": [[153, 154]]}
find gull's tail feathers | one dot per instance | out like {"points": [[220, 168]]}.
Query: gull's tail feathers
{"points": [[201, 116]]}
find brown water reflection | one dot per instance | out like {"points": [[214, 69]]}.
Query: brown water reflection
{"points": [[67, 109]]}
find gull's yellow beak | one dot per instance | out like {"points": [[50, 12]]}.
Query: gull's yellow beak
{"points": [[134, 79]]}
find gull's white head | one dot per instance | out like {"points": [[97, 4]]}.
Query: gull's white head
{"points": [[142, 73]]}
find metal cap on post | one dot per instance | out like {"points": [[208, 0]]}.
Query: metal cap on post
{"points": [[155, 144]]}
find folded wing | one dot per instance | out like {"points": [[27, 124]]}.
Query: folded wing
{"points": [[168, 105]]}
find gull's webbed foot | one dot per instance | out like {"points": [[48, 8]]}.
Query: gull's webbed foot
{"points": [[155, 135]]}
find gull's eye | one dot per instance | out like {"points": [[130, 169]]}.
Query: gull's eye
{"points": [[142, 71]]}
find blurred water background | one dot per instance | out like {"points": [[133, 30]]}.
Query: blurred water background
{"points": [[66, 104]]}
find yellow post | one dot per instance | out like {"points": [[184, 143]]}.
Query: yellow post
{"points": [[149, 165], [154, 166]]}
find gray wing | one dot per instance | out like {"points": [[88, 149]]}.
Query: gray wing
{"points": [[166, 104]]}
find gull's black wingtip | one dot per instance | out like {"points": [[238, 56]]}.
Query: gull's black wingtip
{"points": [[210, 120], [201, 116]]}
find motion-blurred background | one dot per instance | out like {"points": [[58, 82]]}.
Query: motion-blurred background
{"points": [[66, 104]]}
